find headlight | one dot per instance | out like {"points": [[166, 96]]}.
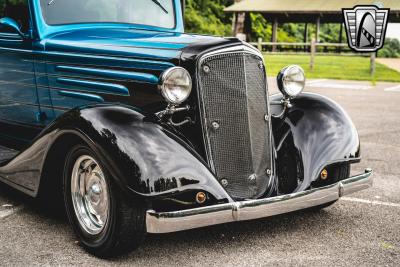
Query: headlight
{"points": [[291, 81], [176, 85]]}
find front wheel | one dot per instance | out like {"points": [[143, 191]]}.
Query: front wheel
{"points": [[105, 222]]}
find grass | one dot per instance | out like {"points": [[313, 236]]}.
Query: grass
{"points": [[333, 67]]}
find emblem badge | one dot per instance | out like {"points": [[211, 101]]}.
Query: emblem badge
{"points": [[366, 27]]}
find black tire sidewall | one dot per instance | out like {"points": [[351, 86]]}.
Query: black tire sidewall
{"points": [[94, 243]]}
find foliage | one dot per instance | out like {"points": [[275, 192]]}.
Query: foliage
{"points": [[262, 29], [333, 67], [390, 49], [294, 32], [208, 17], [330, 33]]}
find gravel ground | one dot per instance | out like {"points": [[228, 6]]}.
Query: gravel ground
{"points": [[360, 231]]}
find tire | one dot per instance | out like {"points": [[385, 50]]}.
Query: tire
{"points": [[340, 172], [321, 207], [106, 224]]}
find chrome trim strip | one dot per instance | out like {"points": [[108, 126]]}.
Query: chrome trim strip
{"points": [[109, 73], [237, 48], [95, 87], [83, 96], [166, 222]]}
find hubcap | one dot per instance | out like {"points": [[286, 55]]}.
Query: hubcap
{"points": [[90, 195]]}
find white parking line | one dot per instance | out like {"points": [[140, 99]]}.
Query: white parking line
{"points": [[8, 210], [315, 81], [340, 86], [371, 202], [393, 89]]}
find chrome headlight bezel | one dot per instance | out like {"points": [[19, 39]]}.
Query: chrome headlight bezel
{"points": [[169, 82], [286, 79]]}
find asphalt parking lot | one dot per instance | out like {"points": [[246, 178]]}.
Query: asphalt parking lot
{"points": [[360, 230]]}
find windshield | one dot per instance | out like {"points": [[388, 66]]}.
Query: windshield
{"points": [[159, 13]]}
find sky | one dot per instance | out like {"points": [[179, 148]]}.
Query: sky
{"points": [[393, 30]]}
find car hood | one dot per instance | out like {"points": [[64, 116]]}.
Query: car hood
{"points": [[127, 43]]}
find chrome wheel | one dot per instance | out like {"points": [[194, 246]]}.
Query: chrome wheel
{"points": [[90, 195]]}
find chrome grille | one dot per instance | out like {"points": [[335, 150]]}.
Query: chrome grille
{"points": [[234, 102]]}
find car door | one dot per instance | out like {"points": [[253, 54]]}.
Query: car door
{"points": [[19, 105]]}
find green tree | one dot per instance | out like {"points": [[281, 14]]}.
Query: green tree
{"points": [[261, 28], [208, 17], [390, 49]]}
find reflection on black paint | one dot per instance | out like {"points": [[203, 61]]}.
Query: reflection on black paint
{"points": [[321, 133], [148, 158]]}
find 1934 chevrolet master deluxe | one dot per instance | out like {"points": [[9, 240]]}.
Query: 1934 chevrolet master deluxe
{"points": [[141, 128]]}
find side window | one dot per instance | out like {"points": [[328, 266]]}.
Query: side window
{"points": [[17, 10]]}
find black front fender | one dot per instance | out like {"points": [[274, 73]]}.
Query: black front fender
{"points": [[144, 157], [318, 130]]}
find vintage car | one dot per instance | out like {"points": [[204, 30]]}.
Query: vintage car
{"points": [[107, 106]]}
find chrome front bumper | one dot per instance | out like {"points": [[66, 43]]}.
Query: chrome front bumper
{"points": [[166, 222]]}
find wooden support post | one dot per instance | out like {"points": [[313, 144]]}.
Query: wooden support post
{"points": [[234, 19], [238, 22], [305, 32], [259, 44], [372, 68], [239, 26], [247, 26], [274, 34], [305, 36], [340, 37], [317, 29], [313, 51]]}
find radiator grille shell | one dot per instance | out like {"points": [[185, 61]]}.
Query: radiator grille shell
{"points": [[236, 121]]}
